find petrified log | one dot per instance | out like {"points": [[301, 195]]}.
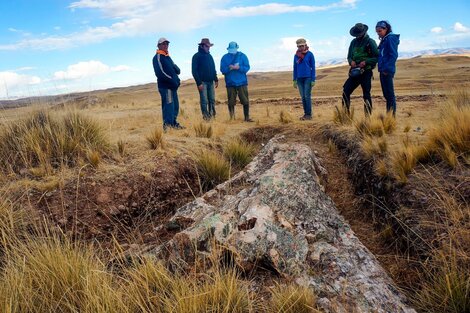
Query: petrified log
{"points": [[276, 213]]}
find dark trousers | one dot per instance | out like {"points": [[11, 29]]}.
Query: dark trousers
{"points": [[242, 92], [365, 80], [386, 81]]}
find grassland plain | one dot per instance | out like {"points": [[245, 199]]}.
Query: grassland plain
{"points": [[124, 194]]}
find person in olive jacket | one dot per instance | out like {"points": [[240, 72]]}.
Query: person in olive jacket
{"points": [[205, 75], [388, 54], [168, 82], [362, 58]]}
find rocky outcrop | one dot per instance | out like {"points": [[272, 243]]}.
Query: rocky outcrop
{"points": [[276, 213]]}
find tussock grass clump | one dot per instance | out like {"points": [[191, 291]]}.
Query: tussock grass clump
{"points": [[292, 299], [155, 139], [405, 160], [43, 140], [238, 152], [51, 275], [371, 126], [212, 168], [374, 147], [152, 288], [13, 225], [451, 139], [389, 122], [446, 285], [203, 130], [342, 116], [121, 147], [285, 117]]}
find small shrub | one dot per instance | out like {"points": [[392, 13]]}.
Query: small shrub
{"points": [[292, 299], [155, 139], [238, 152], [342, 117], [212, 168], [285, 117]]}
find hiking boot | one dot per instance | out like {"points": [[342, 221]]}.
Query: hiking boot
{"points": [[249, 120], [178, 126], [306, 118]]}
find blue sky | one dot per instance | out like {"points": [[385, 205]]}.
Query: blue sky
{"points": [[59, 46]]}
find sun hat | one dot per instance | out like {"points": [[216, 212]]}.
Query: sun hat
{"points": [[232, 47], [358, 30], [206, 41], [162, 40], [301, 41]]}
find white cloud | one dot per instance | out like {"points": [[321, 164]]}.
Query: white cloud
{"points": [[459, 27], [9, 81], [141, 17], [280, 8], [436, 30], [87, 69]]}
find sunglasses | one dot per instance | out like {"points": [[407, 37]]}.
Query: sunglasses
{"points": [[300, 46]]}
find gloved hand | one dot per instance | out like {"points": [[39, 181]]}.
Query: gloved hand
{"points": [[294, 83], [313, 84]]}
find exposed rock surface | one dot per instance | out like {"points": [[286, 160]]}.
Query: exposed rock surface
{"points": [[279, 216]]}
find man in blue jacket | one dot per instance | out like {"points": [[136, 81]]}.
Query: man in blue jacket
{"points": [[234, 65], [168, 82], [205, 75]]}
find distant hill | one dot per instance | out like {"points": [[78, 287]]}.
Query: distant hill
{"points": [[93, 97]]}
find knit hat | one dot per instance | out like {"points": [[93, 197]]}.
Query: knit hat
{"points": [[232, 47], [358, 30]]}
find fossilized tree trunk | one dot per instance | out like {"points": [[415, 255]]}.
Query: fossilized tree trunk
{"points": [[281, 217]]}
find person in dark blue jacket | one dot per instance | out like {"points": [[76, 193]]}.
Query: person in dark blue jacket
{"points": [[168, 82], [205, 75], [234, 65], [388, 54], [304, 76]]}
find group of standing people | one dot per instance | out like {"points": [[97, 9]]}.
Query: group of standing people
{"points": [[363, 56]]}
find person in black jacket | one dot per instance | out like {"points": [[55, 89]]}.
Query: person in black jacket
{"points": [[168, 82], [205, 75]]}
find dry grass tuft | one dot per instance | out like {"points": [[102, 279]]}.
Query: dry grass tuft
{"points": [[212, 168], [121, 146], [389, 122], [374, 147], [451, 139], [43, 140], [52, 274], [239, 153], [285, 117], [342, 117], [405, 160], [203, 130], [155, 139], [292, 299], [370, 127], [93, 158]]}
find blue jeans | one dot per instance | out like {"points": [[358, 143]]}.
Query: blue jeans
{"points": [[207, 96], [170, 106], [386, 81], [305, 89]]}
